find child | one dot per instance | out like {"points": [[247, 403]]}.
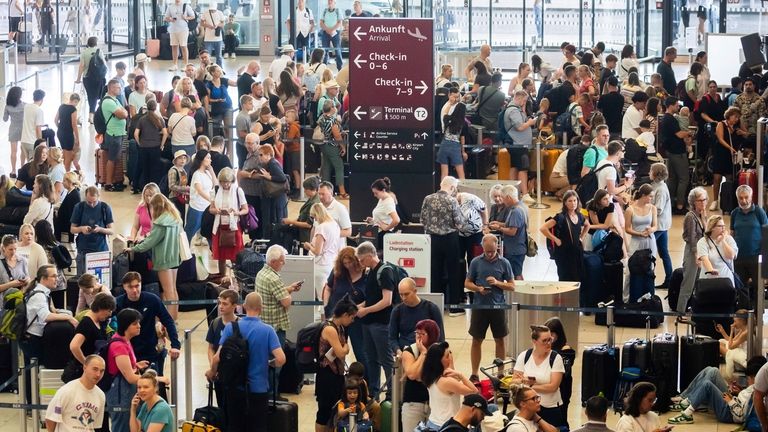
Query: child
{"points": [[89, 286], [587, 108], [684, 118], [577, 117], [647, 139], [357, 371], [292, 132], [732, 347], [350, 401]]}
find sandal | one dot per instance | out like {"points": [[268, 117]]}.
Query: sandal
{"points": [[344, 196]]}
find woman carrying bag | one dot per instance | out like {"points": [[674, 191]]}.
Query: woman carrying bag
{"points": [[228, 205]]}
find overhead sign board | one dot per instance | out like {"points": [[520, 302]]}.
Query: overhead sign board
{"points": [[392, 103]]}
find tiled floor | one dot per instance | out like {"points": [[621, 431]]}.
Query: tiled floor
{"points": [[539, 268]]}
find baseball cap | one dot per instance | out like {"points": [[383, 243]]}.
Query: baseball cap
{"points": [[476, 401]]}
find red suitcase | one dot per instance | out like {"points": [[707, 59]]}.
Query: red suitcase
{"points": [[749, 177], [101, 168]]}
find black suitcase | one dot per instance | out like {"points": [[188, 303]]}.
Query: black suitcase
{"points": [[697, 352], [665, 366], [636, 353], [73, 293], [727, 198], [60, 45], [192, 46], [591, 292], [712, 296], [165, 47], [282, 416], [55, 343], [290, 379], [613, 281], [13, 215], [600, 368], [479, 162], [673, 290], [210, 414], [192, 291], [6, 364], [634, 320]]}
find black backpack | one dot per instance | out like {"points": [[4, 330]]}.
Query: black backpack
{"points": [[102, 349], [633, 152], [192, 24], [61, 256], [399, 273], [587, 186], [99, 121], [308, 346], [97, 67], [575, 161], [234, 355], [568, 356]]}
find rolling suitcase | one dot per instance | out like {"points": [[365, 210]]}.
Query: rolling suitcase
{"points": [[6, 364], [386, 416], [697, 352], [727, 198], [548, 158], [153, 48], [613, 282], [290, 379], [55, 343], [651, 305], [101, 169], [712, 295], [479, 162], [673, 290], [636, 352], [282, 416], [600, 367], [748, 177], [591, 292], [665, 365], [165, 47]]}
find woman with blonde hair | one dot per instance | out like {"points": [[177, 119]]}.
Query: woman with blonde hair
{"points": [[149, 411], [43, 199], [185, 88], [142, 220], [270, 92], [228, 205], [324, 244], [528, 403], [163, 240], [182, 128], [324, 79], [33, 253], [56, 170]]}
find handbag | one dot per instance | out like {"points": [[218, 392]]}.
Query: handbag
{"points": [[532, 249], [210, 415], [248, 221], [217, 30], [317, 135], [193, 426], [185, 253], [274, 189], [227, 238]]}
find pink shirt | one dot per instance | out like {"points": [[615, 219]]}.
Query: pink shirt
{"points": [[145, 220], [121, 347]]}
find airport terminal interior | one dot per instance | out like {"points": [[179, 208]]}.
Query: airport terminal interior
{"points": [[46, 56]]}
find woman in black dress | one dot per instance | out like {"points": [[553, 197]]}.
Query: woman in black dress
{"points": [[723, 150], [66, 125], [565, 230]]}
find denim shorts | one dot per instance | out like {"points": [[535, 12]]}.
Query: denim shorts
{"points": [[450, 153]]}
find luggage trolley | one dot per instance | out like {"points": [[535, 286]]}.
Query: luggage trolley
{"points": [[500, 375]]}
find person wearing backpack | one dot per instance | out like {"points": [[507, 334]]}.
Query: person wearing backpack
{"points": [[115, 120], [177, 17], [304, 27], [380, 294], [331, 23], [247, 349], [91, 73]]}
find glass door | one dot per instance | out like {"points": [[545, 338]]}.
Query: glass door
{"points": [[452, 30]]}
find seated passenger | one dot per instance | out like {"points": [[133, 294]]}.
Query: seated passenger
{"points": [[733, 346]]}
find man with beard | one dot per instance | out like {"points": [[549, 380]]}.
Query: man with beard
{"points": [[473, 410]]}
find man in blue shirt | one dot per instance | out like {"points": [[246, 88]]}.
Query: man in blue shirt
{"points": [[513, 230], [249, 414], [92, 222], [489, 276], [746, 223]]}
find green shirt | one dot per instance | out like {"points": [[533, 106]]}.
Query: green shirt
{"points": [[235, 27], [115, 126], [272, 290], [160, 413]]}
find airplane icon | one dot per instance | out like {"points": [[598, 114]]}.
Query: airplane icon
{"points": [[417, 34]]}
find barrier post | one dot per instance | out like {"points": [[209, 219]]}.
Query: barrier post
{"points": [[538, 205], [397, 387], [611, 327], [302, 197], [751, 334], [37, 80], [61, 84], [174, 397], [35, 393], [757, 347], [21, 384], [188, 374], [516, 321]]}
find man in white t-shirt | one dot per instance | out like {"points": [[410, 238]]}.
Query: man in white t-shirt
{"points": [[338, 212], [177, 15], [287, 53], [79, 404], [630, 124], [32, 129], [608, 177], [305, 25], [212, 21]]}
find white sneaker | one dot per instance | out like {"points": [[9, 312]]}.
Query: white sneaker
{"points": [[714, 206], [527, 198], [233, 56], [226, 56], [173, 68]]}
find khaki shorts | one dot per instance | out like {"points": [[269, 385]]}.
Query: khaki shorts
{"points": [[179, 38]]}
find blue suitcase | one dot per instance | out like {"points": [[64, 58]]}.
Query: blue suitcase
{"points": [[591, 292]]}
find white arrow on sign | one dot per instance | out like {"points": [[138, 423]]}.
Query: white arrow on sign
{"points": [[357, 146], [358, 61], [357, 156], [358, 33], [424, 135], [423, 87], [357, 112], [357, 134]]}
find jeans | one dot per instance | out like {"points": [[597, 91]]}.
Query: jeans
{"points": [[231, 42], [242, 154], [357, 339], [662, 245], [214, 48], [302, 44], [412, 414], [707, 390], [80, 262], [327, 40], [189, 149], [376, 339], [273, 210], [516, 262], [690, 269], [678, 178], [32, 348], [194, 221], [120, 395]]}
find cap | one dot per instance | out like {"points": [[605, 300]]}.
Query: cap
{"points": [[476, 401], [178, 154], [287, 48]]}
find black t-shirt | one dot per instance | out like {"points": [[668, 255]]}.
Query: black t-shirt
{"points": [[452, 425], [65, 120], [244, 83], [219, 162], [715, 108], [25, 177], [604, 75], [668, 127], [202, 90], [92, 333], [667, 77], [214, 333], [611, 105], [273, 101], [373, 294], [201, 122], [602, 214], [414, 391]]}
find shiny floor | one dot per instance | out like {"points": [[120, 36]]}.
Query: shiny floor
{"points": [[123, 204]]}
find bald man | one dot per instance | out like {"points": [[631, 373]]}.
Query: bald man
{"points": [[402, 322], [79, 404], [264, 350], [489, 276], [485, 57], [246, 76]]}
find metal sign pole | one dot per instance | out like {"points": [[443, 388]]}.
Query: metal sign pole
{"points": [[757, 347]]}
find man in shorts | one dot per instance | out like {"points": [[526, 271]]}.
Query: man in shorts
{"points": [[518, 126], [177, 15], [32, 128], [490, 274], [115, 116], [15, 13]]}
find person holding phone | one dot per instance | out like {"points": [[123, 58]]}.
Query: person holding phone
{"points": [[638, 416]]}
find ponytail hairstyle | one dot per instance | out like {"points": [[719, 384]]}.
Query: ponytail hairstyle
{"points": [[643, 191], [154, 117], [382, 184], [517, 392]]}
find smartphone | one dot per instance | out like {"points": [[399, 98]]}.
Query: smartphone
{"points": [[532, 378], [301, 282]]}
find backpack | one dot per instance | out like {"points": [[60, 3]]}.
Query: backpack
{"points": [[102, 349], [502, 133], [311, 78], [633, 151], [682, 94], [97, 67], [403, 214], [587, 186], [99, 121], [575, 161], [61, 256], [14, 324], [564, 121], [568, 359], [192, 24], [308, 346], [399, 273], [234, 354]]}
